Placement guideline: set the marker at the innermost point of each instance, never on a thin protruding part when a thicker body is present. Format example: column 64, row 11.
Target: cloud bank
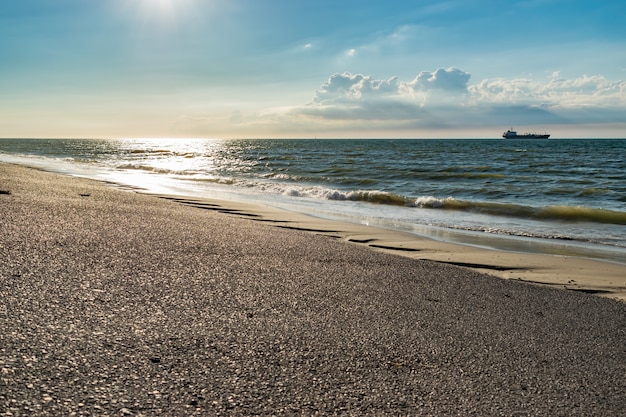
column 446, row 98
column 443, row 102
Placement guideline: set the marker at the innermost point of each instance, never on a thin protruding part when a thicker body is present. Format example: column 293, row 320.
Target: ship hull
column 511, row 134
column 527, row 137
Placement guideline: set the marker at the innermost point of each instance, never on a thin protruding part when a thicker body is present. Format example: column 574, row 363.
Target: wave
column 155, row 170
column 161, row 152
column 445, row 175
column 292, row 185
column 554, row 213
column 376, row 197
column 583, row 214
column 550, row 213
column 594, row 191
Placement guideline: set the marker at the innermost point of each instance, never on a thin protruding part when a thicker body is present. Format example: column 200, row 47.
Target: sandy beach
column 119, row 303
column 602, row 278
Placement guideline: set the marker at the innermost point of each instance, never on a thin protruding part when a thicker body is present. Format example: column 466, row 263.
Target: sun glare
column 160, row 6
column 158, row 11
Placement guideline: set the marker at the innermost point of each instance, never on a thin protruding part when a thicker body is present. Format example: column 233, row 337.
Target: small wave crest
column 161, row 152
column 551, row 213
column 554, row 213
column 156, row 169
column 594, row 191
column 548, row 213
column 375, row 197
column 584, row 214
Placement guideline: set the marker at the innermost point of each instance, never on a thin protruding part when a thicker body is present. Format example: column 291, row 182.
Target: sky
column 312, row 68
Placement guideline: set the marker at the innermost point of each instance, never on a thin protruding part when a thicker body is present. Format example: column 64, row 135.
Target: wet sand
column 607, row 279
column 118, row 303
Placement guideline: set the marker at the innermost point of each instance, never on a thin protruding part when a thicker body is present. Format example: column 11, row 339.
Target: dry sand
column 117, row 303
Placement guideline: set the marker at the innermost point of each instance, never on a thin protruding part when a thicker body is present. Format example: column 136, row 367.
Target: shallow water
column 556, row 196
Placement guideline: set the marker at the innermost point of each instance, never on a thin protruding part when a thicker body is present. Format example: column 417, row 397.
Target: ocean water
column 556, row 196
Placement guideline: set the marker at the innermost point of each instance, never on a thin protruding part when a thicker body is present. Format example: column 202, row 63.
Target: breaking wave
column 551, row 213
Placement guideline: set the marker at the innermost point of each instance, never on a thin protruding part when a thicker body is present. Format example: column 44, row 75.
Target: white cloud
column 444, row 97
column 595, row 91
column 451, row 79
column 348, row 87
column 357, row 97
column 402, row 40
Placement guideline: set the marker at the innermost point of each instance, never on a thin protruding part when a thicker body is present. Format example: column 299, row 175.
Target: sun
column 160, row 6
column 162, row 12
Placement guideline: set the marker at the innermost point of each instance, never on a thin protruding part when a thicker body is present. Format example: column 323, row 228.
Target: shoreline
column 120, row 303
column 590, row 276
column 572, row 273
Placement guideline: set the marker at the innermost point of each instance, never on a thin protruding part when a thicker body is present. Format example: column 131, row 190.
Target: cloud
column 362, row 97
column 357, row 100
column 443, row 99
column 451, row 79
column 346, row 87
column 403, row 40
column 585, row 91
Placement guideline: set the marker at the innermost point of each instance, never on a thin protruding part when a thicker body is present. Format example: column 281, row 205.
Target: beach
column 115, row 302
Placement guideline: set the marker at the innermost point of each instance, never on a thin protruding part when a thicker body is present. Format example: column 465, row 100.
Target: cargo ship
column 512, row 134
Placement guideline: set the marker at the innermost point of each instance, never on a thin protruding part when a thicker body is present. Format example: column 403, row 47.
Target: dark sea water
column 554, row 196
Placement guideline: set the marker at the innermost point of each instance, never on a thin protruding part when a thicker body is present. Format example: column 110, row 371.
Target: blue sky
column 324, row 68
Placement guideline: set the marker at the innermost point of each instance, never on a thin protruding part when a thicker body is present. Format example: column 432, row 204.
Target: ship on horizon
column 512, row 134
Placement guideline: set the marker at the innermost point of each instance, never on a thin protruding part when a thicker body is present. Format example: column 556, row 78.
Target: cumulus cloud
column 443, row 100
column 446, row 99
column 359, row 96
column 346, row 87
column 451, row 79
column 445, row 96
column 557, row 92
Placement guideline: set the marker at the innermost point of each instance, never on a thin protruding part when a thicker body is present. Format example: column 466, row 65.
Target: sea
column 557, row 196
